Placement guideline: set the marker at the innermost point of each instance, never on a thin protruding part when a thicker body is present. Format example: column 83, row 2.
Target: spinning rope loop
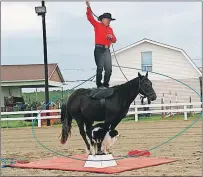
column 135, row 156
column 122, row 157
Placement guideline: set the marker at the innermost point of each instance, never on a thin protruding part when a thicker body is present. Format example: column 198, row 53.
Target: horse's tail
column 66, row 120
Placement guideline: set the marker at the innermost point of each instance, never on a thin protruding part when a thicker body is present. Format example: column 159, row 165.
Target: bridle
column 140, row 88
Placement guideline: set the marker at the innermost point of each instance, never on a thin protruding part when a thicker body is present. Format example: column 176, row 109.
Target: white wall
column 164, row 60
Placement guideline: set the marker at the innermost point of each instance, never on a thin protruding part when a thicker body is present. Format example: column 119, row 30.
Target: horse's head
column 145, row 87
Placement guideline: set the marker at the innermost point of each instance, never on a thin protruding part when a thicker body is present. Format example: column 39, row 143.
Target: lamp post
column 41, row 11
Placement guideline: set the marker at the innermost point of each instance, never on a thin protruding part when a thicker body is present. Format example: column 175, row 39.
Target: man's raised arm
column 89, row 15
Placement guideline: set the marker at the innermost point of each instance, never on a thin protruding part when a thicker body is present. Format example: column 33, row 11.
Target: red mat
column 62, row 163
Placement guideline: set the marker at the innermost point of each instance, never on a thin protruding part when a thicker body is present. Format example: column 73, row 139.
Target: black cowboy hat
column 105, row 15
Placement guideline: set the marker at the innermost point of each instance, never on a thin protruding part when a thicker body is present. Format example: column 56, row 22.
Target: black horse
column 109, row 105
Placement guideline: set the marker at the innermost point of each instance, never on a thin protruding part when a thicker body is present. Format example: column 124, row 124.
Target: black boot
column 106, row 85
column 98, row 80
column 99, row 86
column 107, row 79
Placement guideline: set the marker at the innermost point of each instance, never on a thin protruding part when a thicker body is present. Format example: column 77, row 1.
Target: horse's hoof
column 87, row 151
column 100, row 153
column 92, row 152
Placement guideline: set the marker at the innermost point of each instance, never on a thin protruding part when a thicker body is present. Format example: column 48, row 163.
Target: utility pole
column 42, row 11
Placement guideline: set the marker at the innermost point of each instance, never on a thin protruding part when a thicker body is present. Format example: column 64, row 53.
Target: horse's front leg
column 110, row 125
column 83, row 134
column 99, row 149
column 89, row 134
column 104, row 148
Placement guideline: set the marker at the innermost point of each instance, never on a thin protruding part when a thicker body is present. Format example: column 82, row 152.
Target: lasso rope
column 123, row 157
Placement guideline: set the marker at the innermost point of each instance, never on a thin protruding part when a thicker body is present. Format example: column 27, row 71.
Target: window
column 146, row 61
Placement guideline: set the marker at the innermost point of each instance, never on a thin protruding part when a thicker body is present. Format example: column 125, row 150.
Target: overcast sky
column 70, row 37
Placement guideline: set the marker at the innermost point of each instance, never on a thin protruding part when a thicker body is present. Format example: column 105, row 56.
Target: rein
column 140, row 82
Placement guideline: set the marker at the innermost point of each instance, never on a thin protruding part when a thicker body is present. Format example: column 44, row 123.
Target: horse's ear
column 139, row 74
column 146, row 74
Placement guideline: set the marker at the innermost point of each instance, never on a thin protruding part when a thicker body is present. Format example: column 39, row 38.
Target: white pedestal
column 99, row 163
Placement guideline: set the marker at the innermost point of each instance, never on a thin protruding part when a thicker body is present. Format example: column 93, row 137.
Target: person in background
column 144, row 101
column 104, row 37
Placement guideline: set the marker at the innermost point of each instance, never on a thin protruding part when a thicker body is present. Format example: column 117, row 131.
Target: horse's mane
column 125, row 85
column 120, row 87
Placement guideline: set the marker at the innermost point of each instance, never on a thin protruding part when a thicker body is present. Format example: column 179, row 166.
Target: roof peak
column 159, row 44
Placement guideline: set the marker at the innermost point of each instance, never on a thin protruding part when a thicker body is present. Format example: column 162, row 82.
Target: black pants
column 103, row 61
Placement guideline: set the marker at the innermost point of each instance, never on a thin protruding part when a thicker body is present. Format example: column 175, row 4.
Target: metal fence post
column 185, row 112
column 39, row 120
column 136, row 114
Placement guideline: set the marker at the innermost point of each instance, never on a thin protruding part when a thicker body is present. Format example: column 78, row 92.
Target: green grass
column 16, row 124
column 12, row 116
column 154, row 118
column 53, row 96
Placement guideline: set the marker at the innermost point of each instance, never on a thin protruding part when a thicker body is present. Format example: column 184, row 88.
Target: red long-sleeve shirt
column 101, row 31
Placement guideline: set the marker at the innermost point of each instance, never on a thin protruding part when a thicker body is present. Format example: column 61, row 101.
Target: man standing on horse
column 104, row 37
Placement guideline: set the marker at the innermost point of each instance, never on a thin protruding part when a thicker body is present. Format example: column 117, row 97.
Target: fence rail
column 134, row 112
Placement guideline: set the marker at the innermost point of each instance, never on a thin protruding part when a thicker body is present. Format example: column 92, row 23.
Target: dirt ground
column 186, row 149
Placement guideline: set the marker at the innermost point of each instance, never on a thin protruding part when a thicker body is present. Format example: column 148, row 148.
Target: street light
column 41, row 11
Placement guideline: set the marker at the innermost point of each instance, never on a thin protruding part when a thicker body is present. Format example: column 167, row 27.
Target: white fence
column 135, row 112
column 39, row 117
column 185, row 109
